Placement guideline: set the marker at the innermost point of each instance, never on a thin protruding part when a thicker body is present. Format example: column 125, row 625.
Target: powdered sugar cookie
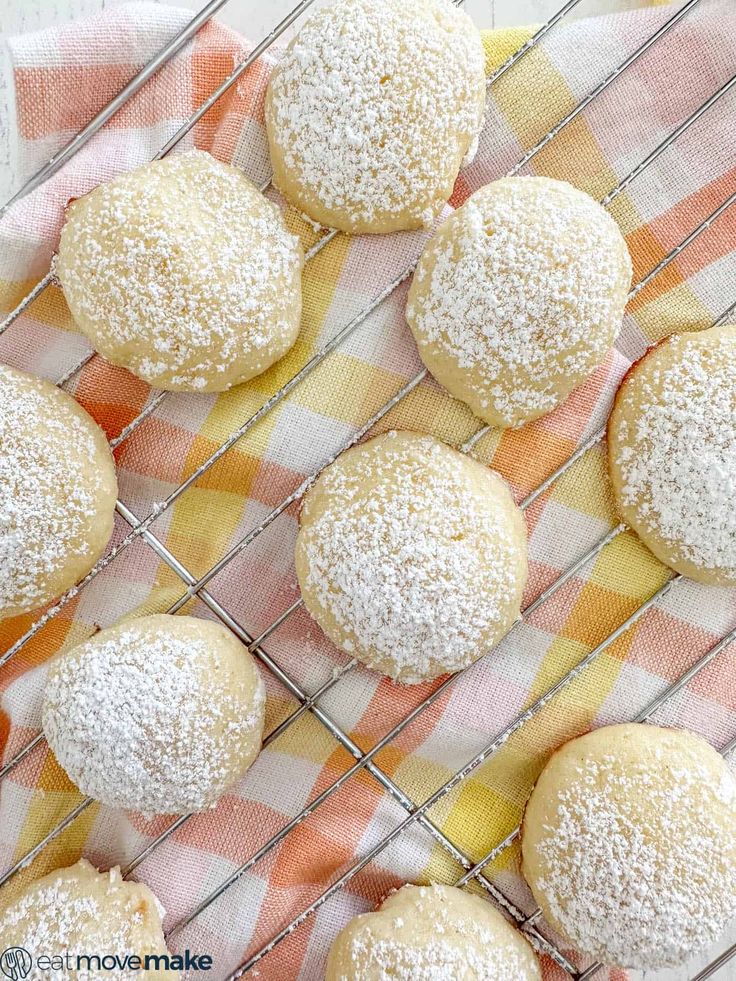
column 629, row 844
column 519, row 296
column 672, row 453
column 183, row 272
column 430, row 932
column 80, row 911
column 372, row 110
column 161, row 714
column 411, row 556
column 57, row 492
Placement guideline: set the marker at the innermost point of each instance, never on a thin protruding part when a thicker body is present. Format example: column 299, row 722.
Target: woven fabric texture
column 62, row 78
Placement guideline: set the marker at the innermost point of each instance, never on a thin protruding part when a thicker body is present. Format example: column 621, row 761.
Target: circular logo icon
column 16, row 963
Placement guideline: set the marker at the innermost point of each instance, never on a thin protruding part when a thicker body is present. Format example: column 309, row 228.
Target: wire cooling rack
column 416, row 812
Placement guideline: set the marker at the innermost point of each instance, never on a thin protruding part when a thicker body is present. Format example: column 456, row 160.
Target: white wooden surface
column 255, row 18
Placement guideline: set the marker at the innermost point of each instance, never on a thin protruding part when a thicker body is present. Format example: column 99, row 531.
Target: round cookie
column 182, row 272
column 429, row 932
column 78, row 910
column 519, row 296
column 629, row 844
column 57, row 492
column 672, row 453
column 373, row 110
column 411, row 556
column 162, row 714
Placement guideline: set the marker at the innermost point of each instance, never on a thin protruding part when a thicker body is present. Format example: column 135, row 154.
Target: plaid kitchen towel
column 61, row 78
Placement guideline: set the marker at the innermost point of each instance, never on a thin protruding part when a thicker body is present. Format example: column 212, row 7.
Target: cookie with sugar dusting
column 373, row 110
column 672, row 453
column 428, row 933
column 182, row 272
column 162, row 714
column 78, row 910
column 57, row 492
column 411, row 556
column 519, row 296
column 629, row 844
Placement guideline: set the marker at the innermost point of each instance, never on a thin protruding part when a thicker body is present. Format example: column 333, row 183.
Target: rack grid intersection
column 416, row 813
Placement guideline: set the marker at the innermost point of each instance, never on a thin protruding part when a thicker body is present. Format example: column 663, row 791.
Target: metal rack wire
column 416, row 813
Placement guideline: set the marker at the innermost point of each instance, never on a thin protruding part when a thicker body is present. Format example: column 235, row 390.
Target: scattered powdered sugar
column 439, row 939
column 468, row 954
column 184, row 272
column 139, row 718
column 676, row 448
column 66, row 910
column 50, row 488
column 523, row 289
column 375, row 103
column 411, row 558
column 639, row 866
